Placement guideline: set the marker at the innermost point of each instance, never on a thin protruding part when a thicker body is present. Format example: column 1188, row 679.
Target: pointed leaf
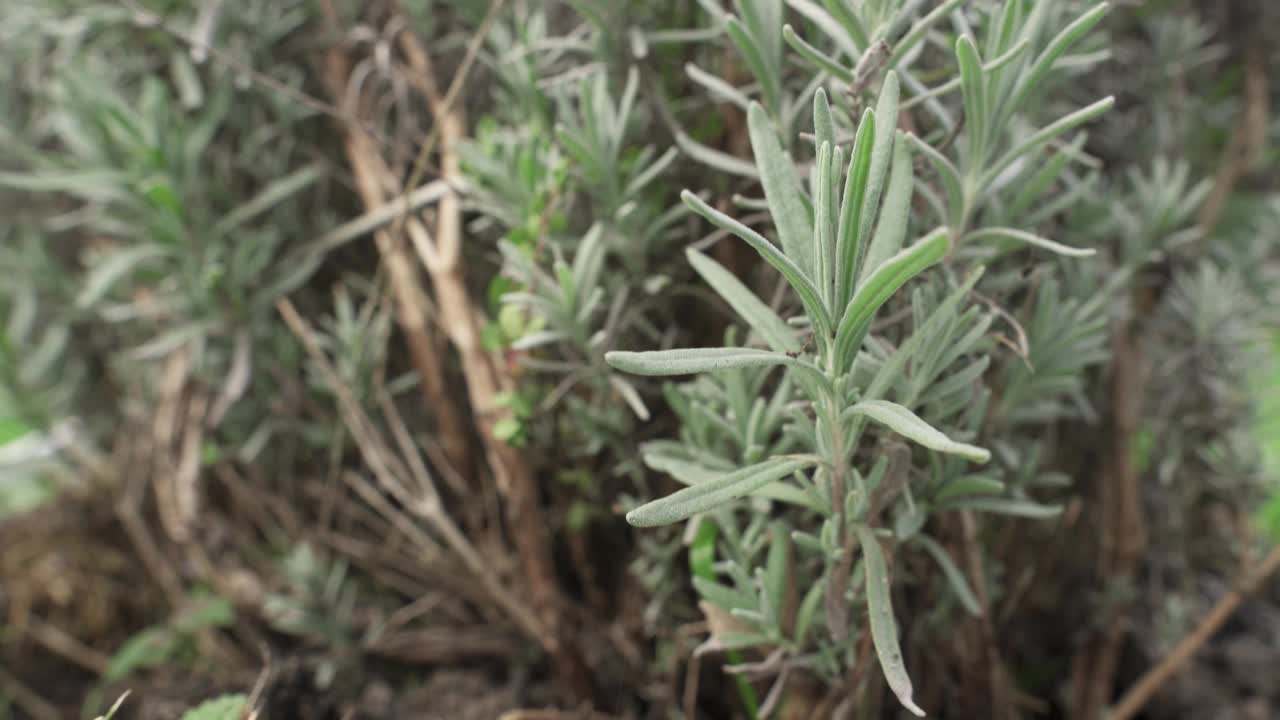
column 782, row 189
column 884, row 628
column 881, row 154
column 959, row 584
column 909, row 425
column 714, row 493
column 799, row 281
column 891, row 230
column 1005, row 506
column 1030, row 239
column 878, row 288
column 848, row 254
column 759, row 316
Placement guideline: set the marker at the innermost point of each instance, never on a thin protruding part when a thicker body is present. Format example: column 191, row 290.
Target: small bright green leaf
column 709, row 495
column 884, row 628
column 691, row 473
column 1044, row 135
column 909, row 425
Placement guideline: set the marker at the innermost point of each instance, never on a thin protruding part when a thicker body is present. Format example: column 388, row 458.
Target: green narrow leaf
column 878, row 288
column 973, row 90
column 969, row 485
column 112, row 269
column 884, row 628
column 709, row 495
column 855, row 189
column 824, row 218
column 949, row 176
column 756, row 60
column 909, row 425
column 722, row 161
column 1005, row 506
column 691, row 473
column 881, row 154
column 824, row 126
column 274, row 194
column 821, row 60
column 1044, row 135
column 1034, row 78
column 688, row 361
column 959, row 584
column 1030, row 239
column 717, row 86
column 798, row 280
column 749, row 307
column 891, row 230
column 782, row 189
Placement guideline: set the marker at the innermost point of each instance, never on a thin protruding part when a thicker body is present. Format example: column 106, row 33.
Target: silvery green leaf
column 884, row 628
column 808, row 608
column 1034, row 78
column 824, row 127
column 1046, row 134
column 717, row 86
column 824, row 218
column 776, row 568
column 1030, row 239
column 823, row 61
column 692, row 473
column 891, row 230
column 717, row 159
column 711, row 494
column 107, row 271
column 948, row 174
column 1004, row 506
column 688, row 361
column 881, row 153
column 909, row 425
column 538, row 339
column 973, row 89
column 588, row 262
column 796, row 277
column 782, row 189
column 919, row 29
column 630, row 395
column 757, row 61
column 848, row 253
column 959, row 584
column 650, row 173
column 750, row 308
column 879, row 287
column 273, row 194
